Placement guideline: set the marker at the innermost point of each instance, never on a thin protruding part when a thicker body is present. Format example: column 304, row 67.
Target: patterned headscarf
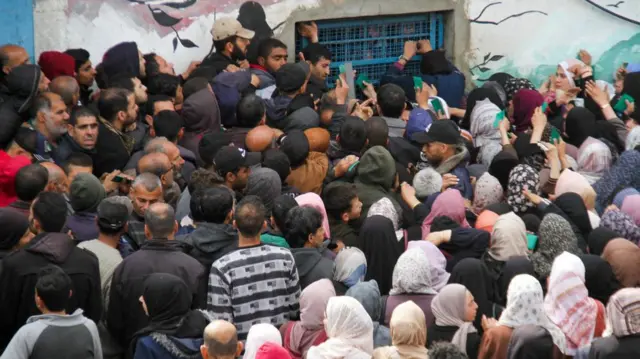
column 437, row 262
column 521, row 177
column 412, row 274
column 594, row 159
column 512, row 86
column 525, row 306
column 482, row 119
column 554, row 237
column 623, row 174
column 622, row 224
column 488, row 191
column 623, row 312
column 385, row 208
column 633, row 138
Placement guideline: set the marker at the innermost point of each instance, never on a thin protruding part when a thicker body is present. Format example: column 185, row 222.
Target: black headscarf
column 572, row 205
column 529, row 153
column 512, row 267
column 476, row 95
column 475, row 276
column 530, row 342
column 499, row 208
column 501, row 78
column 168, row 301
column 631, row 87
column 14, row 225
column 600, row 280
column 382, row 249
column 531, row 222
column 598, row 239
column 582, row 123
column 502, row 165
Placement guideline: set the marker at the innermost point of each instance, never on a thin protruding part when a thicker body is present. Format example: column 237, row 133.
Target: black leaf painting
column 175, row 44
column 496, row 57
column 166, row 20
column 486, row 60
column 162, row 18
column 187, row 43
column 483, row 69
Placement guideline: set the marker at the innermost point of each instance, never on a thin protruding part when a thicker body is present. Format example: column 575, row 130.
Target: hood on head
column 122, row 58
column 53, row 246
column 211, row 237
column 180, row 348
column 22, row 83
column 200, row 112
column 377, row 167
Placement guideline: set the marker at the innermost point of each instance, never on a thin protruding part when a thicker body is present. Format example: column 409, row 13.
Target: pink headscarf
column 570, row 181
column 439, row 275
column 631, row 206
column 313, row 200
column 449, row 203
column 525, row 103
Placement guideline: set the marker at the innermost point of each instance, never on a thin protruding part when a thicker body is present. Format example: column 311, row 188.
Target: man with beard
column 234, row 165
column 231, row 42
column 81, row 136
column 118, row 110
column 272, row 54
column 50, row 122
column 138, row 130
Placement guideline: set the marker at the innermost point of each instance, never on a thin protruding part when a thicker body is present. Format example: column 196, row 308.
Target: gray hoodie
column 47, row 336
column 312, row 265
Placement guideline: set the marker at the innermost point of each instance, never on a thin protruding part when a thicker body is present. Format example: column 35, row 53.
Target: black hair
column 151, row 65
column 30, row 181
column 122, row 80
column 266, row 46
column 50, row 209
column 163, row 84
column 195, row 84
column 250, row 110
column 278, row 161
column 81, row 111
column 112, row 101
column 281, row 207
column 207, row 72
column 249, row 216
column 301, row 222
column 101, row 77
column 151, row 102
column 219, row 45
column 316, row 52
column 81, row 56
column 53, row 287
column 167, row 124
column 391, row 99
column 337, row 199
column 202, row 179
column 353, row 134
column 77, row 159
column 446, row 350
column 211, row 205
column 377, row 131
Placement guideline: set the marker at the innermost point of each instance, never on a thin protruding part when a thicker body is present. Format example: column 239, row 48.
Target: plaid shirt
column 136, row 230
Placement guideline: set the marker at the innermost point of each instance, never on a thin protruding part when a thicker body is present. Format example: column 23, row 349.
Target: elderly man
column 160, row 165
column 51, row 119
column 145, row 191
column 221, row 341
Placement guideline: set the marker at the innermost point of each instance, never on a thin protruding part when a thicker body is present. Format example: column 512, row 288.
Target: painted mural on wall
column 528, row 39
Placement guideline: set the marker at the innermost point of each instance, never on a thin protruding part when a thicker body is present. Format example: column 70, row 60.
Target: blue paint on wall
column 16, row 23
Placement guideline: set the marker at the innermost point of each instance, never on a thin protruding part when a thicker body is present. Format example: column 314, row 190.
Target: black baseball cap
column 211, row 143
column 444, row 131
column 291, row 77
column 230, row 159
column 112, row 213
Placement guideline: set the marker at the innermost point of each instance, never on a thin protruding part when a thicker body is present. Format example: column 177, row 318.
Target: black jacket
column 125, row 315
column 210, row 241
column 218, row 61
column 312, row 265
column 66, row 146
column 316, row 87
column 615, row 348
column 113, row 149
column 16, row 99
column 20, row 273
column 436, row 333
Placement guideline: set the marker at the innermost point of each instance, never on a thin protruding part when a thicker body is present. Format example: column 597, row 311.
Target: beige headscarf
column 408, row 334
column 449, row 308
column 509, row 238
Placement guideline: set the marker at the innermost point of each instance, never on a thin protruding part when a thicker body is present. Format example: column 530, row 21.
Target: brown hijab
column 624, row 258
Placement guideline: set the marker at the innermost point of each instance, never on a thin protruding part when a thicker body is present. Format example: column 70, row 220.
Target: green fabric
column 269, row 238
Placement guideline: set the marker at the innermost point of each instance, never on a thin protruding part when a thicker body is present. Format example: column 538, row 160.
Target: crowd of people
column 248, row 208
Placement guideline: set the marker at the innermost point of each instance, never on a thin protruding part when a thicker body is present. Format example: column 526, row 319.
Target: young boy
column 343, row 206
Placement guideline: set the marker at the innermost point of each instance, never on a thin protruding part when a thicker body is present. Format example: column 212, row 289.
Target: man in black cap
column 24, row 143
column 444, row 148
column 291, row 81
column 234, row 165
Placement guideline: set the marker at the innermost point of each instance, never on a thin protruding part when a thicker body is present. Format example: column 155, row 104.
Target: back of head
column 301, row 222
column 250, row 216
column 319, row 139
column 264, row 183
column 337, row 199
column 210, row 144
column 281, row 207
column 163, row 84
column 160, row 220
column 122, row 81
column 202, row 179
column 250, row 111
column 86, row 192
column 168, row 124
column 112, row 101
column 391, row 100
column 221, row 341
column 446, row 350
column 315, row 52
column 113, row 214
column 67, row 87
column 50, row 210
column 150, row 106
column 53, row 288
column 278, row 161
column 212, row 205
column 296, row 146
column 156, row 163
column 530, row 342
column 195, row 84
column 259, row 139
column 427, row 182
column 353, row 134
column 377, row 166
column 30, row 181
column 377, row 131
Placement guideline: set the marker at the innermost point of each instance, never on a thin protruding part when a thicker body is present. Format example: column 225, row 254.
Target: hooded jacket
column 113, row 149
column 201, row 115
column 317, row 87
column 20, row 273
column 122, row 58
column 312, row 265
column 310, row 175
column 162, row 346
column 210, row 241
column 277, row 110
column 376, row 173
column 456, row 165
column 16, row 100
column 9, row 167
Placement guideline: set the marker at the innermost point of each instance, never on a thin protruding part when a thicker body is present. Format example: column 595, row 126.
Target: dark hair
column 30, row 181
column 53, row 287
column 50, row 209
column 353, row 134
column 377, row 131
column 250, row 110
column 112, row 101
column 81, row 111
column 195, row 84
column 266, row 46
column 278, row 161
column 203, row 178
column 151, row 65
column 446, row 350
column 391, row 99
column 301, row 222
column 123, row 80
column 211, row 205
column 167, row 124
column 316, row 52
column 207, row 72
column 77, row 159
column 101, row 77
column 163, row 84
column 219, row 45
column 81, row 56
column 281, row 207
column 249, row 216
column 151, row 102
column 337, row 199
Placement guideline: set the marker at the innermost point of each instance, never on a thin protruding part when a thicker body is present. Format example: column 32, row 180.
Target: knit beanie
column 122, row 58
column 86, row 193
column 264, row 183
column 55, row 64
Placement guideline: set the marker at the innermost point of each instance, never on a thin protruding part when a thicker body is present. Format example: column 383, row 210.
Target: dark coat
column 161, row 346
column 218, row 61
column 436, row 333
column 312, row 265
column 209, row 242
column 66, row 146
column 113, row 149
column 125, row 315
column 20, row 273
column 615, row 348
column 16, row 99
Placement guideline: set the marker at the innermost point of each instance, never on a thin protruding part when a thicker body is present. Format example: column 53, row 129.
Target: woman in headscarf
column 599, row 238
column 172, row 326
column 437, row 263
column 475, row 96
column 525, row 306
column 488, row 191
column 349, row 329
column 554, row 237
column 570, row 181
column 455, row 309
column 259, row 334
column 569, row 306
column 382, row 249
column 272, row 351
column 624, row 258
column 502, row 165
column 513, row 85
column 571, row 207
column 631, row 207
column 385, row 208
column 501, row 78
column 14, row 227
column 411, row 282
column 309, row 331
column 508, row 240
column 524, row 105
column 622, row 314
column 622, row 174
column 513, row 267
column 522, row 177
column 408, row 334
column 621, row 223
column 600, row 280
column 350, row 269
column 633, row 139
column 482, row 118
column 368, row 294
column 311, row 199
column 475, row 276
column 449, row 203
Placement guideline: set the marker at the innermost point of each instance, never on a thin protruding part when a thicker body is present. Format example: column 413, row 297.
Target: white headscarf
column 258, row 335
column 350, row 331
column 412, row 274
column 351, row 266
column 525, row 305
column 482, row 118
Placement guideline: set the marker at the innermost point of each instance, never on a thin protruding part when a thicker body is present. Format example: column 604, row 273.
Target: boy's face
column 355, row 210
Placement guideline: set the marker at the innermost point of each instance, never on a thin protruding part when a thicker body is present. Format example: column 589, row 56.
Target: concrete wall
column 524, row 37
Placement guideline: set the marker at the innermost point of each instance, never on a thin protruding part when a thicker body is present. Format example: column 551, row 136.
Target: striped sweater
column 252, row 285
